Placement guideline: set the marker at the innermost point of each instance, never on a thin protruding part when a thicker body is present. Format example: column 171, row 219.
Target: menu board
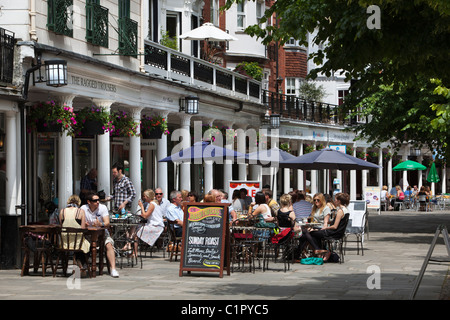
column 205, row 244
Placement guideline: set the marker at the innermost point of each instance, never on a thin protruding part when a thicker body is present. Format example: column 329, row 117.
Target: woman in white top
column 320, row 211
column 151, row 231
column 237, row 202
column 263, row 208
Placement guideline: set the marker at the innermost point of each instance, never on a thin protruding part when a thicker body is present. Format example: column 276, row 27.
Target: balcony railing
column 59, row 17
column 97, row 24
column 128, row 35
column 297, row 108
column 170, row 64
column 6, row 56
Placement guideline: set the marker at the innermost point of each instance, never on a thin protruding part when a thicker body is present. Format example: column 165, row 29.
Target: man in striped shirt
column 124, row 192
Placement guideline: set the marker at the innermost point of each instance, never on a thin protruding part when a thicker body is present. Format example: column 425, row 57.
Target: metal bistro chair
column 358, row 231
column 173, row 246
column 423, row 204
column 336, row 242
column 70, row 242
column 243, row 248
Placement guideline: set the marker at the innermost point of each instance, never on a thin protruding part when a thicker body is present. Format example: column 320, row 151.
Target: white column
column 135, row 158
column 185, row 168
column 287, row 179
column 444, row 178
column 389, row 174
column 161, row 153
column 420, row 173
column 364, row 175
column 241, row 145
column 65, row 162
column 228, row 164
column 353, row 179
column 405, row 173
column 104, row 153
column 12, row 163
column 208, row 167
column 380, row 170
column 314, row 180
column 300, row 174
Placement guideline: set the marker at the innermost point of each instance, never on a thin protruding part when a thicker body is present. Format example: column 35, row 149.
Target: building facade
column 118, row 57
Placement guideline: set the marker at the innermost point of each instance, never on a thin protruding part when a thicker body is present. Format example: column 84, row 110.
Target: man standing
column 97, row 216
column 124, row 192
column 175, row 212
column 88, row 184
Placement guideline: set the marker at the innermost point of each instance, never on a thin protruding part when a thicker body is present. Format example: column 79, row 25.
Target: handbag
column 312, row 260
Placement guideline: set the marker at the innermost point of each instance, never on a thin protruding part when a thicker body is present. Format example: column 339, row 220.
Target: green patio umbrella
column 409, row 165
column 433, row 175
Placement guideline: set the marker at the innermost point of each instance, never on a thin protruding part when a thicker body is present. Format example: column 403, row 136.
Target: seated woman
column 321, row 213
column 262, row 209
column 151, row 231
column 74, row 217
column 400, row 197
column 336, row 228
column 286, row 216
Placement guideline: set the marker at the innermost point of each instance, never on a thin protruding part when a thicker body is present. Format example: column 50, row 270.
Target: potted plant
column 285, row 147
column 153, row 127
column 92, row 121
column 49, row 116
column 122, row 125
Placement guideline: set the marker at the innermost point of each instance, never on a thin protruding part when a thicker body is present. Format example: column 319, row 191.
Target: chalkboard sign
column 205, row 244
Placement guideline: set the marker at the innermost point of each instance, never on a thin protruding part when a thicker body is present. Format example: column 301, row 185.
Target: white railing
column 164, row 62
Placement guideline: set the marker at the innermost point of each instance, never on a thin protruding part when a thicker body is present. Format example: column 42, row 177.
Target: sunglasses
column 94, row 200
column 316, row 200
column 158, row 194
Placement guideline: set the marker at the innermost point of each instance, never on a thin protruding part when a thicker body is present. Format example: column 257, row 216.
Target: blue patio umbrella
column 203, row 151
column 270, row 157
column 327, row 159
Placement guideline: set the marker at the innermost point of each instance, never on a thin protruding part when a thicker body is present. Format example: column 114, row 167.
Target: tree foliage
column 393, row 64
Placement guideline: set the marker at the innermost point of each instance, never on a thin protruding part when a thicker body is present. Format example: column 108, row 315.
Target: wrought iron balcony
column 59, row 17
column 170, row 64
column 297, row 108
column 128, row 37
column 7, row 43
column 97, row 24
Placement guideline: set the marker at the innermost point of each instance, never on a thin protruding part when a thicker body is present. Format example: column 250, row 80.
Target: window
column 292, row 42
column 60, row 16
column 341, row 96
column 290, row 86
column 96, row 23
column 214, row 12
column 241, row 15
column 259, row 11
column 128, row 30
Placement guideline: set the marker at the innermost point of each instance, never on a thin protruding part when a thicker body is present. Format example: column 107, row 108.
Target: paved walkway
column 396, row 246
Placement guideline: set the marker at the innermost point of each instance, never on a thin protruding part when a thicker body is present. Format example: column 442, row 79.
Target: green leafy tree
column 393, row 63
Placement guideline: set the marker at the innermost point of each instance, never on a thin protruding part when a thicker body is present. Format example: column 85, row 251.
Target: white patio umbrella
column 208, row 32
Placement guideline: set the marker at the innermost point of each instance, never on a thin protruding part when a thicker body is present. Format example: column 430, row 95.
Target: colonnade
column 250, row 172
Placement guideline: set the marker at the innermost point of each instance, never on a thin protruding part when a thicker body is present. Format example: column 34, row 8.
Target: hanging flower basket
column 153, row 127
column 51, row 117
column 122, row 125
column 92, row 121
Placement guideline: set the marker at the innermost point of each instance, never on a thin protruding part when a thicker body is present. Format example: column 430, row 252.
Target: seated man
column 97, row 216
column 175, row 212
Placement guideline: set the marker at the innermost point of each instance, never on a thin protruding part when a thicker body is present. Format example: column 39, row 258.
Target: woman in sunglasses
column 320, row 211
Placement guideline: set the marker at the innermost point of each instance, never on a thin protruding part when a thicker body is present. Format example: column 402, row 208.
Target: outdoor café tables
column 44, row 239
